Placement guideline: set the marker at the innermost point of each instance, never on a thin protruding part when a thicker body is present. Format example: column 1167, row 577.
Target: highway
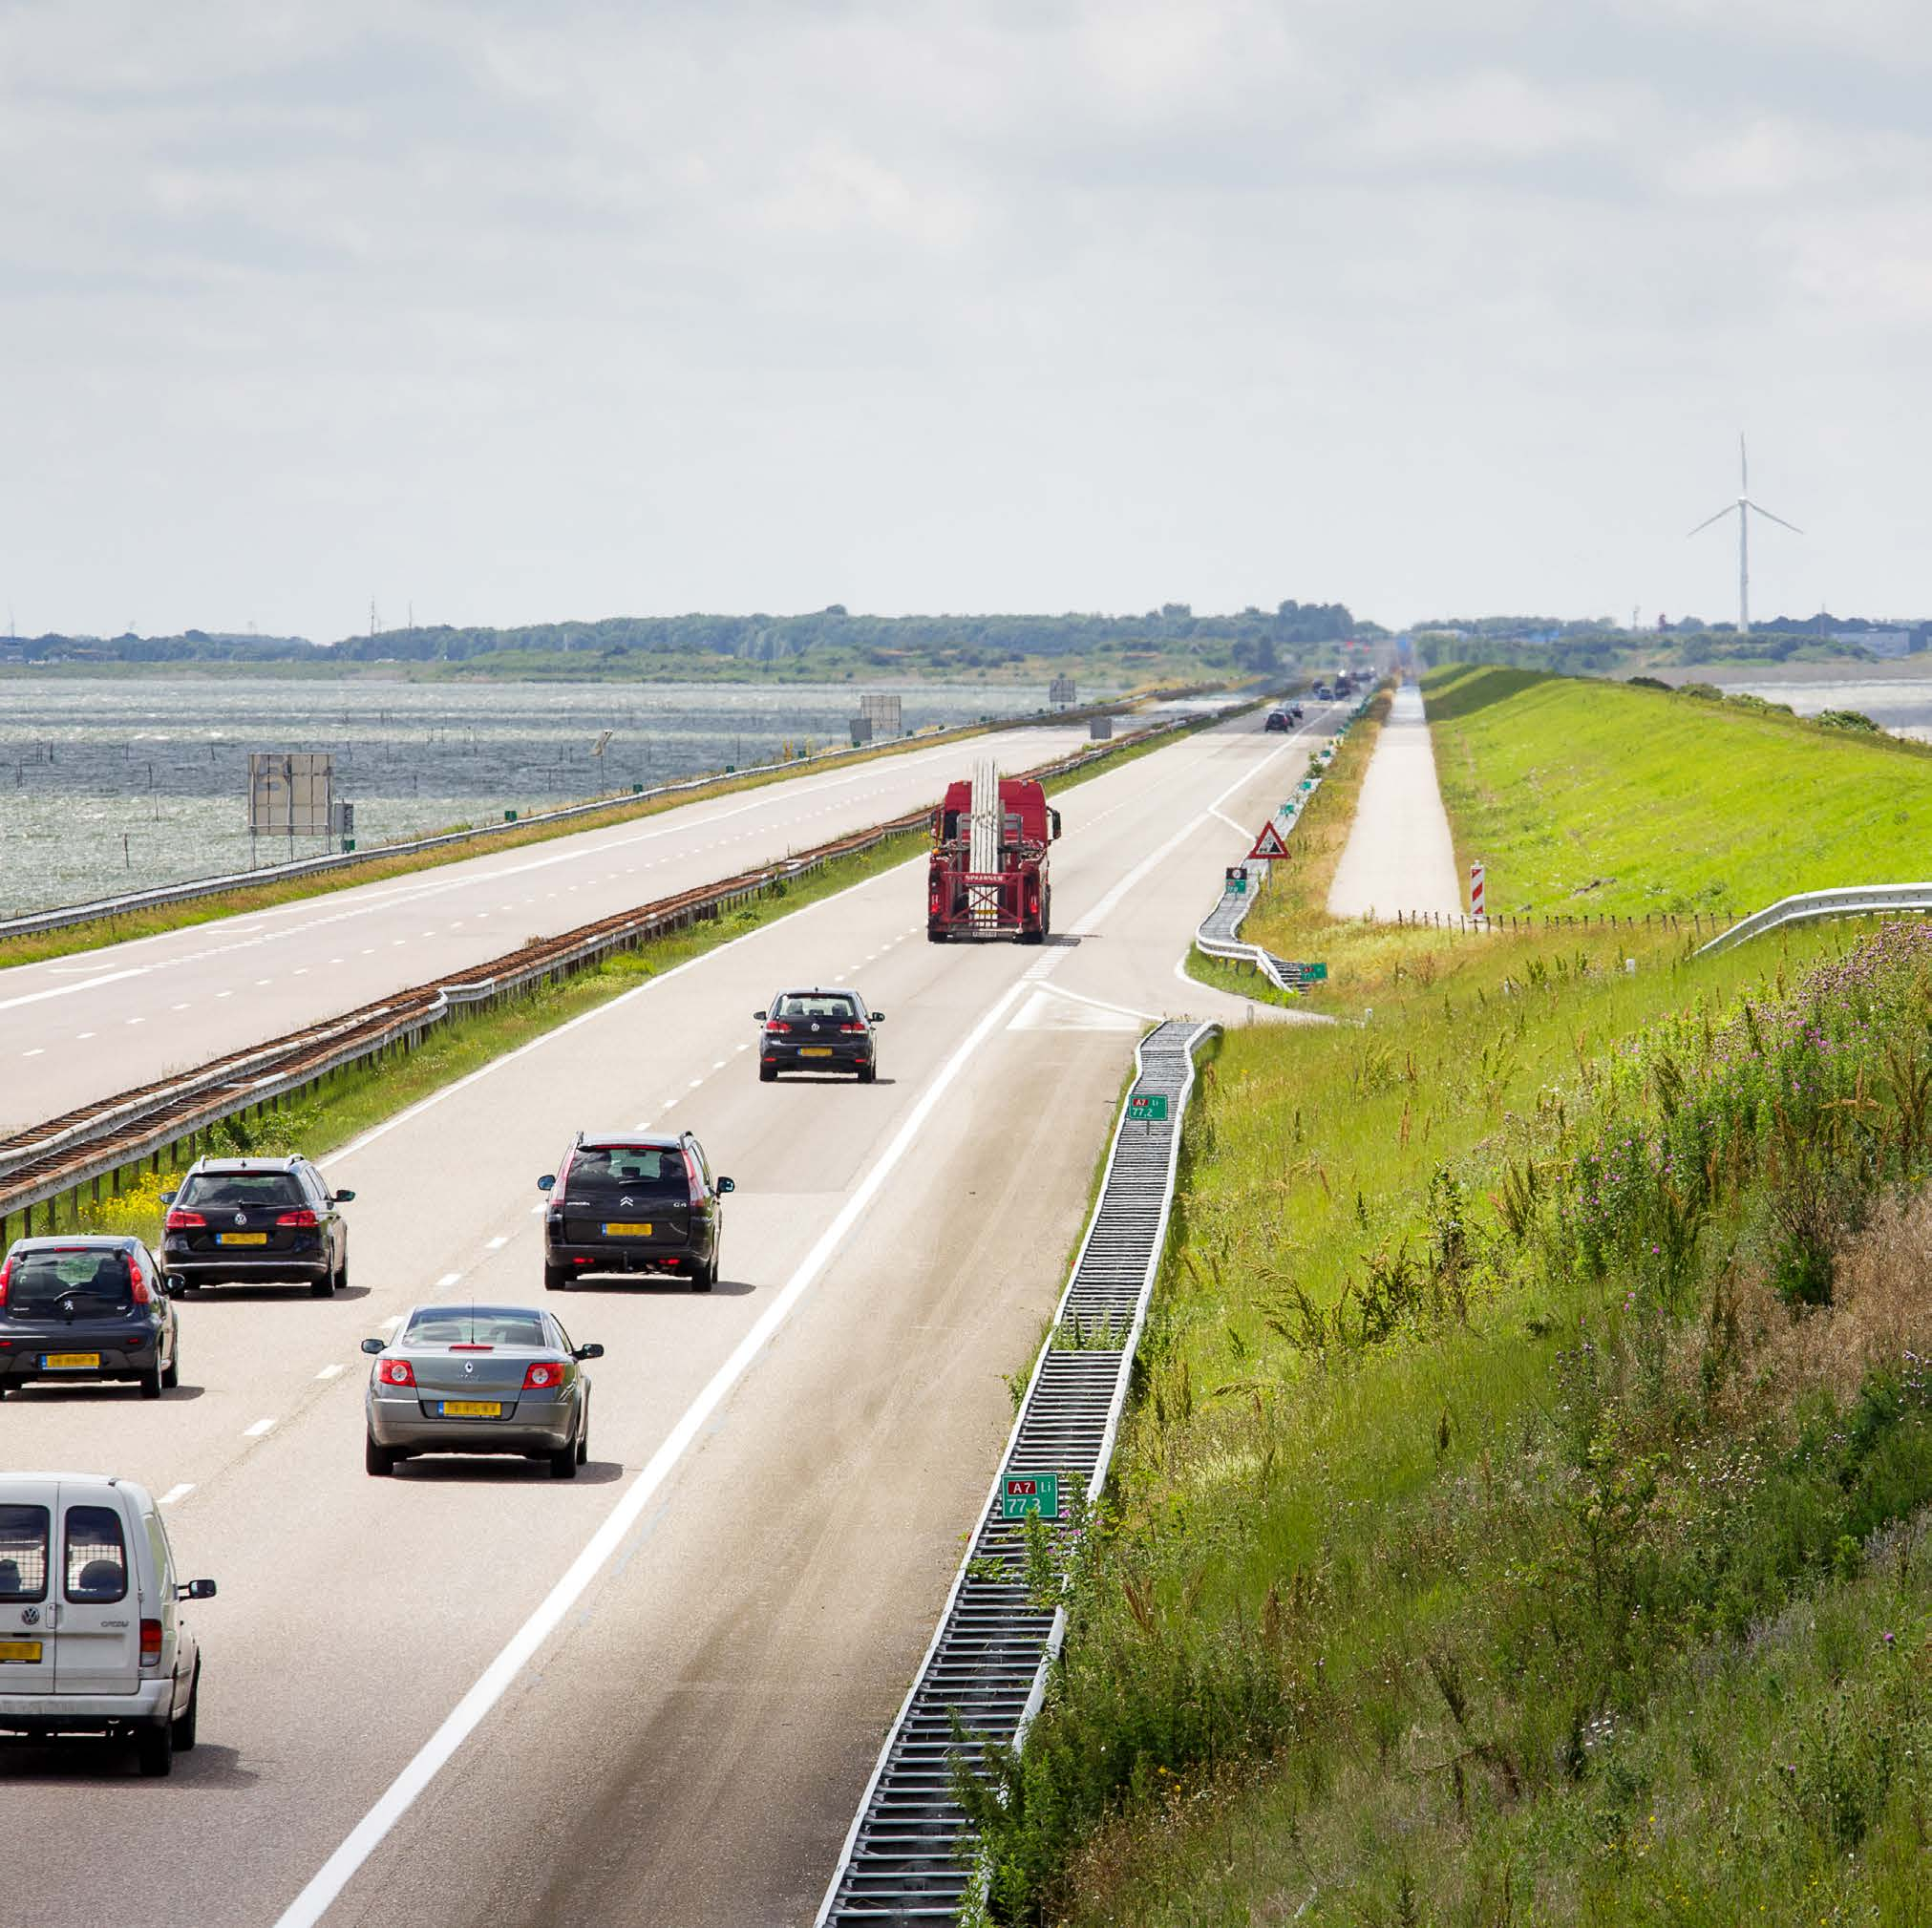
column 84, row 1027
column 472, row 1693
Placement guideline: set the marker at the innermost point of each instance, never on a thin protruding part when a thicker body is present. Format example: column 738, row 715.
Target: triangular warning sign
column 1269, row 843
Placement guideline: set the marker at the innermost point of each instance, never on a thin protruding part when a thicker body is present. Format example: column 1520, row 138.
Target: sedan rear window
column 604, row 1170
column 833, row 1005
column 23, row 1552
column 234, row 1191
column 462, row 1325
column 90, row 1278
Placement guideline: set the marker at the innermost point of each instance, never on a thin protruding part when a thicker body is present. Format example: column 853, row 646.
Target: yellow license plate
column 240, row 1237
column 19, row 1650
column 627, row 1231
column 473, row 1409
column 70, row 1362
column 814, row 1050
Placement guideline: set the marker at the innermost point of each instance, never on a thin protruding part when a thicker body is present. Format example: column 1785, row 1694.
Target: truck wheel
column 154, row 1748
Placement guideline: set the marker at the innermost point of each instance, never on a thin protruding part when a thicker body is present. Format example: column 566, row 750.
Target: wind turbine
column 1744, row 508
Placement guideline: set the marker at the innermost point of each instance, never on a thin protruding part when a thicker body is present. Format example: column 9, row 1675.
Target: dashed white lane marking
column 330, row 1373
column 175, row 1492
column 370, row 951
column 448, row 1278
column 744, row 1048
column 303, row 973
column 136, row 1021
column 260, row 982
column 177, row 1008
column 498, row 1243
column 335, row 960
column 667, row 1103
column 260, row 1427
column 393, row 1321
column 81, row 1037
column 537, row 1206
column 641, row 1125
column 38, row 1050
column 718, row 1063
column 694, row 1083
column 224, row 994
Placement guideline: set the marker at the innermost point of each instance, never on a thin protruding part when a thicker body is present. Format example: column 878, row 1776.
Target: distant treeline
column 878, row 640
column 1538, row 642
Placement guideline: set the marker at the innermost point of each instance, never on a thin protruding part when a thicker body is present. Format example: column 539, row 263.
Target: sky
column 512, row 311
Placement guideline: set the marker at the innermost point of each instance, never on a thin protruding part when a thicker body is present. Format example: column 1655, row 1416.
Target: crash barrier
column 1808, row 906
column 908, row 1856
column 186, row 892
column 97, row 1144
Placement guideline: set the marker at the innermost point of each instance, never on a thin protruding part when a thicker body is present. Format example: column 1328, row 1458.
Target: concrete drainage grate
column 907, row 1856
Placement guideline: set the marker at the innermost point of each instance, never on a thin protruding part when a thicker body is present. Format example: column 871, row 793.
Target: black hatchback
column 250, row 1221
column 633, row 1204
column 85, row 1307
column 818, row 1031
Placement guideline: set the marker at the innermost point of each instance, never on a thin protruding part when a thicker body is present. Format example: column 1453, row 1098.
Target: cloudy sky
column 525, row 308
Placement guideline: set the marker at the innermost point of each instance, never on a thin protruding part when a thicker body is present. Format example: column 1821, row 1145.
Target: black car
column 85, row 1307
column 245, row 1220
column 818, row 1031
column 634, row 1203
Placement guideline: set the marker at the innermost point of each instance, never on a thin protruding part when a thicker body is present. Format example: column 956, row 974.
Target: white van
column 90, row 1638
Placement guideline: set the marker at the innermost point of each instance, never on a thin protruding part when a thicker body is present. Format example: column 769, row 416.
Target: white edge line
column 335, row 1874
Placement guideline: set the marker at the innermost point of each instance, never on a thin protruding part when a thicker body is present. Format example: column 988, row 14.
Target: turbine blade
column 1779, row 520
column 1730, row 508
column 1743, row 466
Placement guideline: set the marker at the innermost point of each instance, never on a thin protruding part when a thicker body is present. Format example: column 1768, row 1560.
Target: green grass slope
column 1588, row 796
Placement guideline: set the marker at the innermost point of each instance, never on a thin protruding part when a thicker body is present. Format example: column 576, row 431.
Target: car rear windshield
column 833, row 1005
column 23, row 1552
column 236, row 1191
column 474, row 1326
column 639, row 1170
column 88, row 1278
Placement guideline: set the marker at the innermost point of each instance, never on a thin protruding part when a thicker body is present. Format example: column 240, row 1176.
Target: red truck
column 988, row 873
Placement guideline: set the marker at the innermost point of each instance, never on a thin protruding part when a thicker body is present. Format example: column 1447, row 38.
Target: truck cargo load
column 988, row 873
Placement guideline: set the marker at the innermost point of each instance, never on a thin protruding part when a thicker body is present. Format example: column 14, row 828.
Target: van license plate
column 473, row 1409
column 19, row 1650
column 814, row 1050
column 70, row 1362
column 240, row 1237
column 620, row 1231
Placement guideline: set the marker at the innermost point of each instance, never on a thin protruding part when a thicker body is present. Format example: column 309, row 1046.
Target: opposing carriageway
column 651, row 1695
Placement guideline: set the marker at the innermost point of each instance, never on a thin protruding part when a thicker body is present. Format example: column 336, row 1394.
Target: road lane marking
column 175, row 1492
column 68, row 991
column 81, row 1037
column 260, row 1427
column 38, row 1050
column 498, row 1243
column 136, row 1021
column 449, row 1278
column 330, row 1373
column 718, row 1063
column 523, row 1646
column 394, row 1319
column 694, row 1083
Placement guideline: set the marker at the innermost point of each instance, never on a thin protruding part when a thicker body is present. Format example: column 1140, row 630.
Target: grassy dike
column 1522, row 1514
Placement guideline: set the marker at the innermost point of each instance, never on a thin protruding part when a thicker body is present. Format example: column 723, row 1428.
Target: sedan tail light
column 303, row 1218
column 182, row 1221
column 858, row 1029
column 469, row 1345
column 395, row 1373
column 6, row 1272
column 542, row 1378
column 151, row 1643
column 775, row 1025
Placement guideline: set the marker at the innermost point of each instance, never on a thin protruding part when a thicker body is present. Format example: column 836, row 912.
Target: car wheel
column 556, row 1278
column 767, row 1074
column 583, row 1436
column 185, row 1721
column 705, row 1276
column 342, row 1274
column 322, row 1287
column 867, row 1073
column 563, row 1462
column 378, row 1461
column 154, row 1748
column 171, row 1373
column 150, row 1382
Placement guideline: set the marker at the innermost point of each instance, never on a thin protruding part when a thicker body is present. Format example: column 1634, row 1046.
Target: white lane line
column 81, row 1037
column 68, row 991
column 260, row 982
column 396, row 1801
column 718, row 1063
column 393, row 1320
column 498, row 1243
column 744, row 1048
column 175, row 1492
column 260, row 1427
column 224, row 994
column 537, row 1206
column 136, row 1021
column 449, row 1278
column 370, row 951
column 694, row 1083
column 177, row 1008
column 641, row 1125
column 330, row 1373
column 335, row 960
column 38, row 1051
column 302, row 971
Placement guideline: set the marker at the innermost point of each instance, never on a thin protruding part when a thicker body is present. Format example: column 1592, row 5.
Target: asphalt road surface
column 104, row 1021
column 471, row 1693
column 1399, row 855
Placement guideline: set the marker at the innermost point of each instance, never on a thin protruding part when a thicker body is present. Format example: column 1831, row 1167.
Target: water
column 1900, row 704
column 109, row 785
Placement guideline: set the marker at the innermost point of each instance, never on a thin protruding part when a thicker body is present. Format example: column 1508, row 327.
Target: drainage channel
column 907, row 1858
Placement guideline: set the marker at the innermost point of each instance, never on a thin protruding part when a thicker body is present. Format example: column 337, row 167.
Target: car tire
column 556, row 1278
column 584, row 1436
column 563, row 1462
column 154, row 1749
column 185, row 1721
column 705, row 1276
column 767, row 1074
column 322, row 1287
column 378, row 1461
column 152, row 1382
column 342, row 1274
column 867, row 1073
column 171, row 1373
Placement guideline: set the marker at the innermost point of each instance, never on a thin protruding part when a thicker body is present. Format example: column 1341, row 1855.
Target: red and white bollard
column 1475, row 888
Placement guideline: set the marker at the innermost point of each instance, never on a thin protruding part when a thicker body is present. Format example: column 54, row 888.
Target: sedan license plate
column 19, row 1650
column 240, row 1237
column 68, row 1362
column 473, row 1409
column 625, row 1230
column 814, row 1050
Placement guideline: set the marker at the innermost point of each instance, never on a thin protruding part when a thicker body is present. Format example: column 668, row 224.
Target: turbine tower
column 1744, row 508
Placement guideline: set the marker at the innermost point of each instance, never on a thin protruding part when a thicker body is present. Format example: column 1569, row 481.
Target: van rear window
column 234, row 1191
column 96, row 1556
column 23, row 1552
column 599, row 1171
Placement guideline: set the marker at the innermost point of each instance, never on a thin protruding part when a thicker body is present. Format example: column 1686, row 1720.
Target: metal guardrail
column 1807, row 906
column 907, row 1856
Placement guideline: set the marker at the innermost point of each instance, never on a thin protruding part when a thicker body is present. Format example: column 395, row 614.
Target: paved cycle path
column 1399, row 855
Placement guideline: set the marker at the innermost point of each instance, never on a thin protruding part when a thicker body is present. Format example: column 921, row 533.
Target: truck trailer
column 988, row 873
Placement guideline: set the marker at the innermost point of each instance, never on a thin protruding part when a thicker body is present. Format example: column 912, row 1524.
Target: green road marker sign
column 1025, row 1493
column 1147, row 1108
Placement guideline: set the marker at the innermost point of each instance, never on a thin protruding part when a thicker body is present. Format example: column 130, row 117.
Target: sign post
column 1475, row 890
column 1025, row 1493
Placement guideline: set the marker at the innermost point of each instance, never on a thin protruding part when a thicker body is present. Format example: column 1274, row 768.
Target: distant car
column 818, row 1031
column 479, row 1379
column 246, row 1220
column 1277, row 720
column 86, row 1307
column 634, row 1203
column 92, row 1637
column 1322, row 694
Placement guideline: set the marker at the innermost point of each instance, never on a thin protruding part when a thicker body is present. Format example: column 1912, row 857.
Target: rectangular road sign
column 1025, row 1493
column 1149, row 1108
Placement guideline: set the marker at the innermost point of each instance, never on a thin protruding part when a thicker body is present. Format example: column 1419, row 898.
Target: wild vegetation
column 1522, row 1514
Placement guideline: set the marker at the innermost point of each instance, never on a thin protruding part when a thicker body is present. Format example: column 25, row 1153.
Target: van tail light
column 542, row 1378
column 6, row 1273
column 137, row 1280
column 305, row 1218
column 182, row 1221
column 395, row 1373
column 151, row 1643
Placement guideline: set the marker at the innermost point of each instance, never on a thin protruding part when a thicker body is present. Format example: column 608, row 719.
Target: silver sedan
column 479, row 1379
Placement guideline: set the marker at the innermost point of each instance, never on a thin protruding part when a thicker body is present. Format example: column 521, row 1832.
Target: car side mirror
column 728, row 1184
column 371, row 1344
column 342, row 1197
column 199, row 1589
column 1053, row 824
column 169, row 1197
column 546, row 1181
column 757, row 1017
column 588, row 1352
column 877, row 1018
